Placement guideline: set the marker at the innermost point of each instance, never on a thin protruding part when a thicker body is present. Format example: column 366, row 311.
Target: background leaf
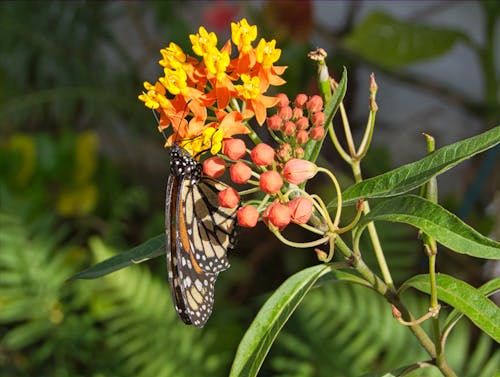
column 389, row 42
column 462, row 296
column 152, row 248
column 434, row 220
column 411, row 176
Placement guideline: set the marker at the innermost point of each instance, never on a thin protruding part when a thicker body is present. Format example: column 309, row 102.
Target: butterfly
column 199, row 234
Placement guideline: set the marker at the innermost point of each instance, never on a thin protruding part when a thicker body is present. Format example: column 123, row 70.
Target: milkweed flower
column 297, row 171
column 199, row 93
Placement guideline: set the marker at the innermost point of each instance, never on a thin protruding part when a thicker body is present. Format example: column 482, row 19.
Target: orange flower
column 251, row 93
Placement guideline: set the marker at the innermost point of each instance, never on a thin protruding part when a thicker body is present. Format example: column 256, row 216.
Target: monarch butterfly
column 199, row 233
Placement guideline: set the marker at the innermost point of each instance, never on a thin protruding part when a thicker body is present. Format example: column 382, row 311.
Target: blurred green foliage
column 79, row 179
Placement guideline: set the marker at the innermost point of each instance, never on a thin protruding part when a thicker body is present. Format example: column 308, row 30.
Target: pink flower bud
column 289, row 128
column 262, row 155
column 240, row 172
column 214, row 167
column 314, row 104
column 274, row 122
column 298, row 152
column 229, row 198
column 317, row 133
column 302, row 137
column 279, row 215
column 247, row 216
column 300, row 100
column 297, row 112
column 284, row 101
column 270, row 182
column 301, row 209
column 285, row 113
column 284, row 152
column 297, row 171
column 234, row 148
column 302, row 123
column 318, row 118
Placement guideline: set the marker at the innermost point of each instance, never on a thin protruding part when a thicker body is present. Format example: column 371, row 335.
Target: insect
column 199, row 234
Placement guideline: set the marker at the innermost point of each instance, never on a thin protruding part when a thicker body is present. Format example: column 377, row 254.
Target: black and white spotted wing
column 199, row 233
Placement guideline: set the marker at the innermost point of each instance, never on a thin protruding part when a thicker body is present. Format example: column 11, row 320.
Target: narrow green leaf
column 408, row 177
column 486, row 289
column 313, row 147
column 152, row 248
column 463, row 297
column 434, row 220
column 271, row 318
column 390, row 42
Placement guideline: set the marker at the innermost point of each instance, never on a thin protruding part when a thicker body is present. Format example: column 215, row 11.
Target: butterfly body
column 199, row 234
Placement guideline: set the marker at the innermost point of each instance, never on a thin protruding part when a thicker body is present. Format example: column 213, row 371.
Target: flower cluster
column 209, row 98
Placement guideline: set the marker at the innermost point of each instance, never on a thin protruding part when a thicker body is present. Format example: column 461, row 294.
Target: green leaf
column 410, row 176
column 463, row 297
column 389, row 42
column 271, row 318
column 313, row 147
column 434, row 220
column 152, row 248
column 486, row 289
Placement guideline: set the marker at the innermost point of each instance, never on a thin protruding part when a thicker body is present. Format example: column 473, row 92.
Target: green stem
column 372, row 231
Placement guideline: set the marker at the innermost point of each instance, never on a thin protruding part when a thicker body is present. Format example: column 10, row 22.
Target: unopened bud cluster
column 297, row 123
column 293, row 125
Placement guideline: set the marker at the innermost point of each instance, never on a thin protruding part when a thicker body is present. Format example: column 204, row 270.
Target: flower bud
column 300, row 100
column 317, row 133
column 297, row 171
column 262, row 155
column 302, row 123
column 298, row 152
column 234, row 148
column 279, row 215
column 214, row 167
column 297, row 112
column 274, row 122
column 240, row 172
column 314, row 104
column 270, row 182
column 301, row 209
column 247, row 216
column 284, row 101
column 289, row 128
column 318, row 118
column 285, row 113
column 229, row 198
column 302, row 137
column 284, row 152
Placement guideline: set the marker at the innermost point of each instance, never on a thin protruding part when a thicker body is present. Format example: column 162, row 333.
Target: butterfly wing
column 212, row 227
column 199, row 233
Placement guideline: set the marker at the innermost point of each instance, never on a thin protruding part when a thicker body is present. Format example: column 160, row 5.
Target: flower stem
column 377, row 247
